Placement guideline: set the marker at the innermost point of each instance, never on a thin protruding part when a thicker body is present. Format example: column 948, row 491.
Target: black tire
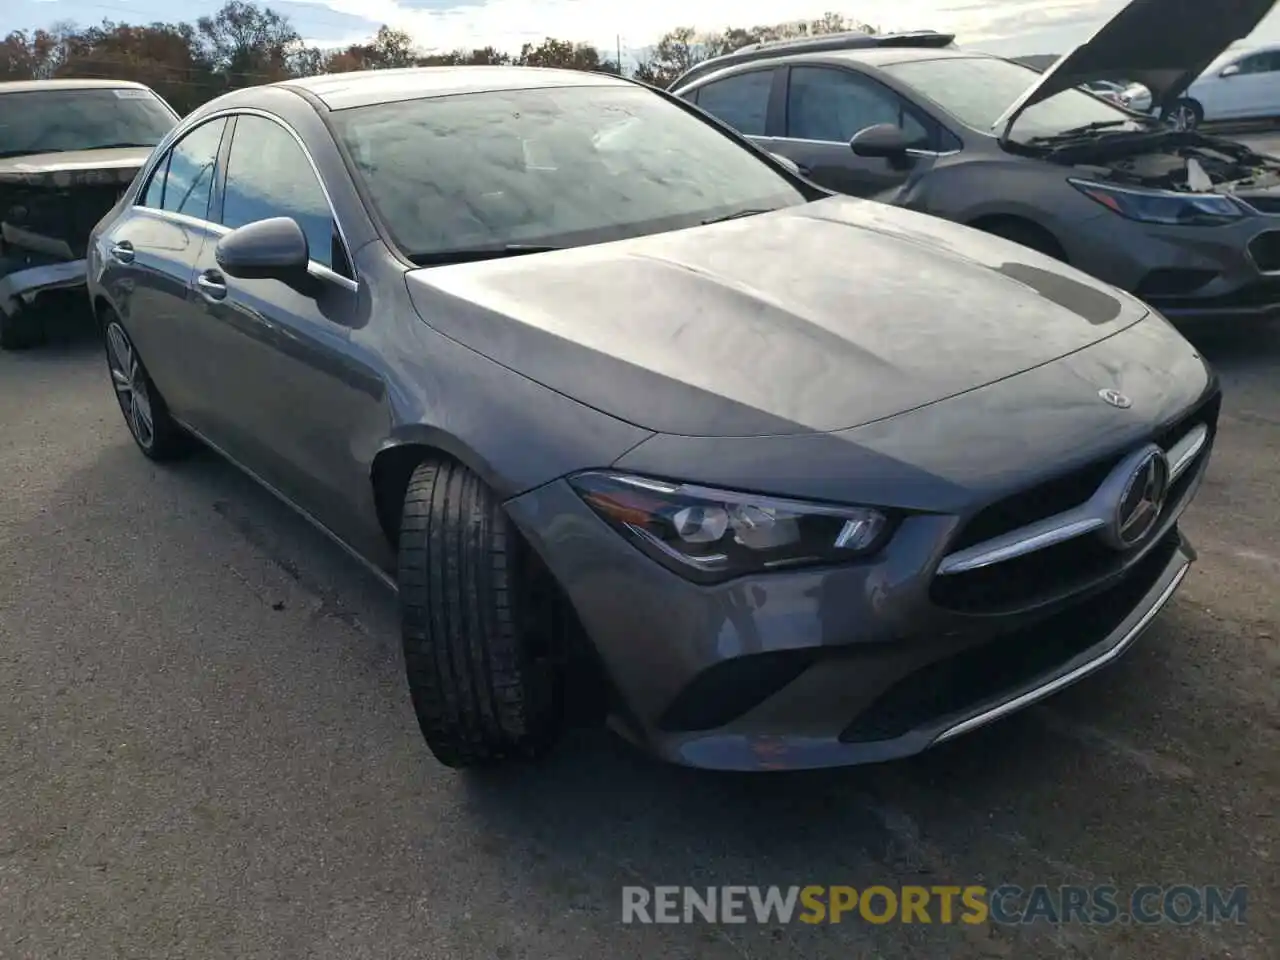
column 21, row 329
column 157, row 434
column 483, row 677
column 1025, row 233
column 1185, row 114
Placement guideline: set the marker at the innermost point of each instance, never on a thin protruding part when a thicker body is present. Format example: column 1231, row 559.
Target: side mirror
column 786, row 162
column 883, row 140
column 1230, row 70
column 274, row 249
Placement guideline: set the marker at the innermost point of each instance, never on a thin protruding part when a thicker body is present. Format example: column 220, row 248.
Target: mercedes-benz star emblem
column 1115, row 398
column 1140, row 505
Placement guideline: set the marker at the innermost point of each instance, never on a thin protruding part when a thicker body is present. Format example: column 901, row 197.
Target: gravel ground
column 207, row 750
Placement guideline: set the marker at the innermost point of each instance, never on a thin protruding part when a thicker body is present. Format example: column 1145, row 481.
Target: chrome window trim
column 162, row 150
column 1094, row 514
column 911, row 151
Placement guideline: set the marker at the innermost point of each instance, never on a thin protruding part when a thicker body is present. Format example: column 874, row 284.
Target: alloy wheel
column 1183, row 118
column 130, row 382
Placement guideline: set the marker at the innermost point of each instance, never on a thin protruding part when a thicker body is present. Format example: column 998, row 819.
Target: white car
column 1239, row 85
column 1106, row 89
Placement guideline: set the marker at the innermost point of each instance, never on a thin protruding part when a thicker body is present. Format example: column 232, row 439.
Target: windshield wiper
column 751, row 212
column 1075, row 133
column 441, row 257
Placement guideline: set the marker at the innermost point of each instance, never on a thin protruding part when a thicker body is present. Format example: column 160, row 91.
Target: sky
column 1009, row 27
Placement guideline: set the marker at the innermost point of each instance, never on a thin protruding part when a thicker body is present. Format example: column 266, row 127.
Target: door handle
column 804, row 169
column 211, row 285
column 122, row 252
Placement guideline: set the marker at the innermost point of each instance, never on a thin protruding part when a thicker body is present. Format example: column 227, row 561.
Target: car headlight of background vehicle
column 712, row 535
column 1162, row 206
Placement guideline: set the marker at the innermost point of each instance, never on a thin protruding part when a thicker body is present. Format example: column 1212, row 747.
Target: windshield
column 978, row 90
column 557, row 167
column 54, row 121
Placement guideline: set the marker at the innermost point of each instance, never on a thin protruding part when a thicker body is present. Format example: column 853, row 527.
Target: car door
column 290, row 397
column 1242, row 93
column 1261, row 85
column 149, row 258
column 825, row 107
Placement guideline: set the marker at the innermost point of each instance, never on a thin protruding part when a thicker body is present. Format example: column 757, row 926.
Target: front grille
column 1174, row 282
column 1265, row 250
column 1264, row 202
column 997, row 670
column 1073, row 488
column 1063, row 569
column 1255, row 297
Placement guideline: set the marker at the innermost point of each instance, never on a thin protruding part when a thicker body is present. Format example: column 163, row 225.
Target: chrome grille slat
column 1092, row 515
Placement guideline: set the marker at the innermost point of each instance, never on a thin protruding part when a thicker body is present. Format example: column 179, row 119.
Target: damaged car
column 1187, row 221
column 68, row 151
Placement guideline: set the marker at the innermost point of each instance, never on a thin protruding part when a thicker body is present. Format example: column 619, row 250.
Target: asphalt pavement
column 207, row 749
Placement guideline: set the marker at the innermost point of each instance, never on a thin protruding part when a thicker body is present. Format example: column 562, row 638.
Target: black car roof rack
column 851, row 40
column 848, row 40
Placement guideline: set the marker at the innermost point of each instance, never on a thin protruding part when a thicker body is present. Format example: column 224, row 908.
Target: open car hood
column 1162, row 44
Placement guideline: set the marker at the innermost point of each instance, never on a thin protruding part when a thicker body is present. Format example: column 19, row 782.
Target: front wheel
column 484, row 682
column 20, row 329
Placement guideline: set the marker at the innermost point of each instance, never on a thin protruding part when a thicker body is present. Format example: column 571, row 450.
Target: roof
column 883, row 56
column 30, row 86
column 828, row 42
column 872, row 56
column 361, row 88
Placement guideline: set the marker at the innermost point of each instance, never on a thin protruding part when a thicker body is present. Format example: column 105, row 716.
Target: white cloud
column 509, row 23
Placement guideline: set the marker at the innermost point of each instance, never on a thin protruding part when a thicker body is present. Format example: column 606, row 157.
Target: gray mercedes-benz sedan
column 642, row 425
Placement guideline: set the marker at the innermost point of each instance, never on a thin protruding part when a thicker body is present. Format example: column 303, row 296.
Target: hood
column 1162, row 44
column 806, row 320
column 75, row 167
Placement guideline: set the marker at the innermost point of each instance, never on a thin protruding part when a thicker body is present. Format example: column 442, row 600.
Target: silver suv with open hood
column 68, row 150
column 1188, row 221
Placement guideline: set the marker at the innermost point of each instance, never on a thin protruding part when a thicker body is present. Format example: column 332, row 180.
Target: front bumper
column 825, row 667
column 23, row 285
column 1224, row 273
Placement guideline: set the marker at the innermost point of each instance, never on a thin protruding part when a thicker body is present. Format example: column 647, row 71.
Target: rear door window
column 741, row 101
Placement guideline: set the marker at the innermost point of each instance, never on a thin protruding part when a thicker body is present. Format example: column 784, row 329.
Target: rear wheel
column 483, row 675
column 1185, row 114
column 146, row 414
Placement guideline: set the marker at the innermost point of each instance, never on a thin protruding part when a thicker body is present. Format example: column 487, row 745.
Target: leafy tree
column 244, row 44
column 684, row 48
column 566, row 55
column 479, row 57
column 388, row 49
column 30, row 56
column 163, row 56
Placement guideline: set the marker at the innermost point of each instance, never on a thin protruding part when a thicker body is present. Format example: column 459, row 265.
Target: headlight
column 712, row 535
column 1160, row 206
